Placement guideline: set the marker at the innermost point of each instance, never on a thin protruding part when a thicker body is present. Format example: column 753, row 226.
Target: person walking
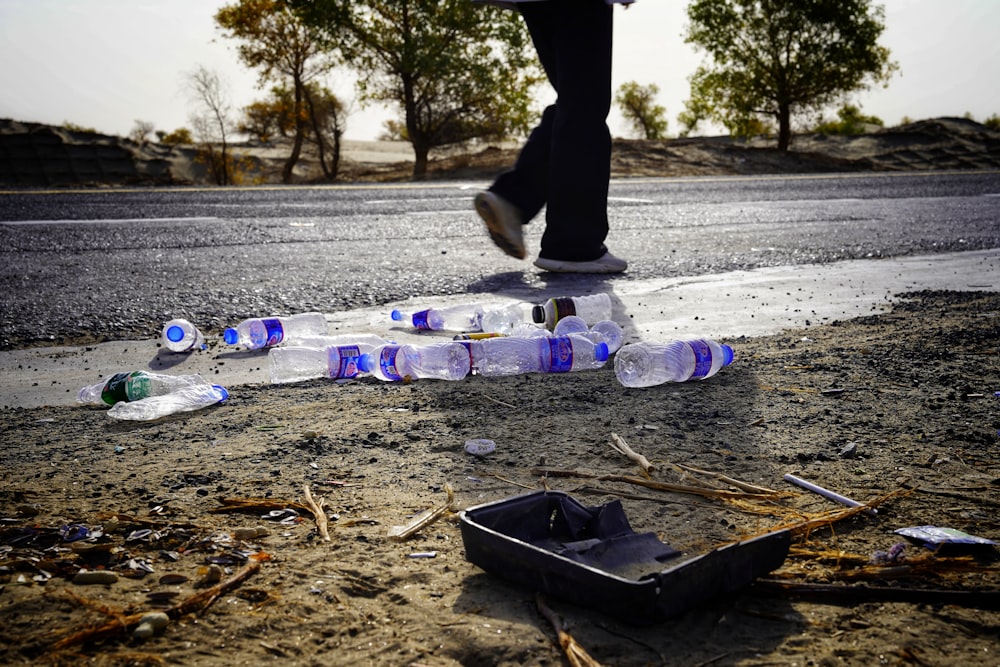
column 565, row 164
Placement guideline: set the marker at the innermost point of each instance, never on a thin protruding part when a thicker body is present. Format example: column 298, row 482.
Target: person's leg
column 526, row 184
column 580, row 151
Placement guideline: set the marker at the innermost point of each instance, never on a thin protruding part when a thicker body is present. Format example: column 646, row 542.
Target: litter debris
column 480, row 447
column 826, row 493
column 424, row 519
column 934, row 537
column 591, row 556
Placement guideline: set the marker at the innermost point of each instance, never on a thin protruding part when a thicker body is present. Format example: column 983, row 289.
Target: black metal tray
column 591, row 556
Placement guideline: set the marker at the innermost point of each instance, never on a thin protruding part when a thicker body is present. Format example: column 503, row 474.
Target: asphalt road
column 116, row 264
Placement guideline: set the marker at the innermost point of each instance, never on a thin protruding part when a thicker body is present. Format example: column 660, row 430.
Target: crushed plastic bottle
column 540, row 354
column 606, row 331
column 295, row 363
column 502, row 319
column 441, row 361
column 136, row 386
column 256, row 333
column 592, row 308
column 186, row 399
column 463, row 317
column 179, row 335
column 649, row 364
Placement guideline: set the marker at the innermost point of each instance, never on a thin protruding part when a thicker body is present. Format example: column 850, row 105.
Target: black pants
column 566, row 163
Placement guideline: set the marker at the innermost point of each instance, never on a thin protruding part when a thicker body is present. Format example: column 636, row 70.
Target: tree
column 640, row 110
column 777, row 58
column 141, row 131
column 213, row 122
column 851, row 121
column 456, row 71
column 276, row 42
column 181, row 135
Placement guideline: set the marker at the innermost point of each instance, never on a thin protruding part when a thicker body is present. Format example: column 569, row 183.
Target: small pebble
column 86, row 578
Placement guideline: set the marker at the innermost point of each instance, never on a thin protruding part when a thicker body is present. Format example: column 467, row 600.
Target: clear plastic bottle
column 474, row 346
column 258, row 332
column 592, row 308
column 463, row 317
column 540, row 354
column 323, row 340
column 501, row 320
column 185, row 399
column 610, row 332
column 441, row 361
column 571, row 324
column 295, row 363
column 649, row 364
column 135, row 386
column 179, row 335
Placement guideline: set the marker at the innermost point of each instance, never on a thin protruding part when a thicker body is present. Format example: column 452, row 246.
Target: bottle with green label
column 135, row 386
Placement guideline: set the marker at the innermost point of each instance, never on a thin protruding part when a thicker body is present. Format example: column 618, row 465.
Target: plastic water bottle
column 463, row 317
column 185, row 399
column 295, row 364
column 648, row 364
column 257, row 332
column 182, row 336
column 322, row 340
column 135, row 386
column 474, row 346
column 441, row 361
column 606, row 331
column 540, row 354
column 501, row 320
column 592, row 308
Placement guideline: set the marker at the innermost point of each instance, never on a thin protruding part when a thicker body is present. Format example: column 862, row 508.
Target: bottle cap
column 538, row 314
column 727, row 355
column 601, row 352
column 231, row 336
column 365, row 363
column 396, row 315
column 223, row 394
column 175, row 333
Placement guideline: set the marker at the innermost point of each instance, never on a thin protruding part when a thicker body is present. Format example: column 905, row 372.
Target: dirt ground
column 899, row 407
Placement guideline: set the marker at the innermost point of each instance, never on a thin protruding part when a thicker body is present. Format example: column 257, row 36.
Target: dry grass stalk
column 576, row 654
column 619, row 445
column 316, row 507
column 424, row 519
column 721, row 494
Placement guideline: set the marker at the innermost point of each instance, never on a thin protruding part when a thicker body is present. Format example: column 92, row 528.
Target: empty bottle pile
column 565, row 334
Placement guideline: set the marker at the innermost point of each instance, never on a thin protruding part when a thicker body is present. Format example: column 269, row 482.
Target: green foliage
column 270, row 117
column 850, row 121
column 456, row 71
column 181, row 135
column 640, row 109
column 273, row 39
column 73, row 127
column 776, row 58
column 993, row 122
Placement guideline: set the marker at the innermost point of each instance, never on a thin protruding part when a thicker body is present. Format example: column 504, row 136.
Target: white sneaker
column 503, row 222
column 606, row 263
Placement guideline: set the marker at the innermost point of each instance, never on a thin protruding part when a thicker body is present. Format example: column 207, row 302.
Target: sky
column 105, row 64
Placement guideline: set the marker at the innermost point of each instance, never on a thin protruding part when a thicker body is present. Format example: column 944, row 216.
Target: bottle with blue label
column 260, row 332
column 649, row 364
column 463, row 317
column 539, row 354
column 296, row 364
column 440, row 361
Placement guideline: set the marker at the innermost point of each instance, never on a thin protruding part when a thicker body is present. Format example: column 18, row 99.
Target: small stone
column 849, row 451
column 87, row 578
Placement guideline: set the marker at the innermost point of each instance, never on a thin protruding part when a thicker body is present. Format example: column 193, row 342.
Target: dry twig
column 576, row 654
column 316, row 507
column 619, row 445
column 424, row 519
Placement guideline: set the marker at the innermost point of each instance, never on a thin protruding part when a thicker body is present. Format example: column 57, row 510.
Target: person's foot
column 503, row 222
column 606, row 263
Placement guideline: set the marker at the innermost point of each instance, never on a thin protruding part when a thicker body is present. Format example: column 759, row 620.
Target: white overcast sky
column 107, row 63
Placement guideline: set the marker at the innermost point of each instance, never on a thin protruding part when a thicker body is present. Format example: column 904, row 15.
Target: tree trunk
column 784, row 127
column 420, row 151
column 300, row 131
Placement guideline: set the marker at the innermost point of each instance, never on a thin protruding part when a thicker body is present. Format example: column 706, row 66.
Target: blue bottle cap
column 175, row 333
column 365, row 363
column 601, row 352
column 727, row 355
column 396, row 315
column 222, row 391
column 231, row 336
